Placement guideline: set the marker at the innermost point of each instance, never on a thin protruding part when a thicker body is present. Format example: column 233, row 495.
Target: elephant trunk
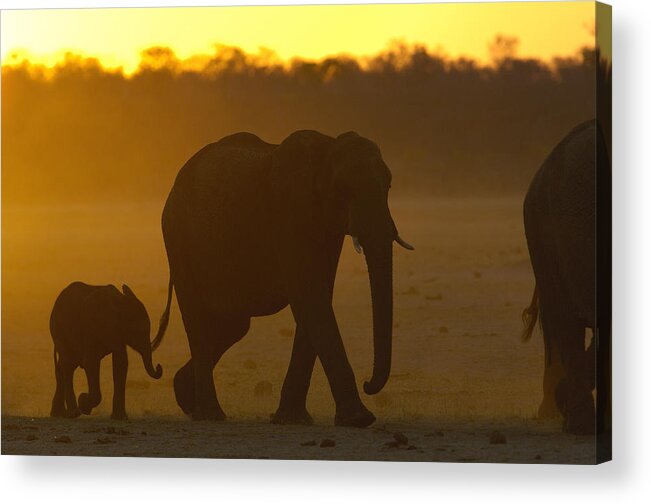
column 149, row 366
column 380, row 269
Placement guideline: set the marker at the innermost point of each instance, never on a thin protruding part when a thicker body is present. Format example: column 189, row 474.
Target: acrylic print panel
column 227, row 178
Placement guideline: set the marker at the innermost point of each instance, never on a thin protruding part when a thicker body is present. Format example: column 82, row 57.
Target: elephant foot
column 72, row 413
column 360, row 418
column 86, row 405
column 58, row 411
column 548, row 410
column 286, row 416
column 119, row 415
column 215, row 414
column 577, row 408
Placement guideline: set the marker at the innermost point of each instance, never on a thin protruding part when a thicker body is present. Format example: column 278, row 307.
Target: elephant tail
column 164, row 319
column 530, row 316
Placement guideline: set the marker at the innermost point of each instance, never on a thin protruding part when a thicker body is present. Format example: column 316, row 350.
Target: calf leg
column 120, row 365
column 58, row 401
column 87, row 401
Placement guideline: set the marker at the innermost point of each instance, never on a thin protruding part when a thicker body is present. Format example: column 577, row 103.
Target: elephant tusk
column 403, row 243
column 357, row 245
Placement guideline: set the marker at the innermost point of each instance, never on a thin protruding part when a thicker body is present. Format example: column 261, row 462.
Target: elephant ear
column 301, row 181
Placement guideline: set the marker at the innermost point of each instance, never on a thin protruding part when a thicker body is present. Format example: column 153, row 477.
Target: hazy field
column 459, row 364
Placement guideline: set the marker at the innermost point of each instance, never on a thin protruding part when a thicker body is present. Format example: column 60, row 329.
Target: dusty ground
column 513, row 441
column 458, row 367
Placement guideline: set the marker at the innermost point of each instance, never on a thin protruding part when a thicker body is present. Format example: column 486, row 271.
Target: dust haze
column 89, row 156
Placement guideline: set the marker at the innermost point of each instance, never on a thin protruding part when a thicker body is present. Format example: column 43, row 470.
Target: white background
column 626, row 479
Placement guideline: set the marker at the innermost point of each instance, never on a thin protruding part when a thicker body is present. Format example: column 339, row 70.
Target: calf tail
column 165, row 318
column 530, row 316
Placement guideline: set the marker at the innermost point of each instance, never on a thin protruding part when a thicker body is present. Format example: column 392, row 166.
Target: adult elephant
column 560, row 219
column 251, row 227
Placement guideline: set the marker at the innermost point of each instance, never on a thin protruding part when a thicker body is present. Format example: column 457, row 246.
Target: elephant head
column 337, row 187
column 136, row 327
column 362, row 180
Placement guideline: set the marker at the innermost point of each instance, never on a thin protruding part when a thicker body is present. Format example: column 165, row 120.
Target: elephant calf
column 87, row 323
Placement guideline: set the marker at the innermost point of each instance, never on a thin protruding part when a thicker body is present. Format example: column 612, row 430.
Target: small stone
column 327, row 443
column 400, row 438
column 262, row 389
column 312, row 442
column 249, row 364
column 31, row 437
column 496, row 437
column 62, row 439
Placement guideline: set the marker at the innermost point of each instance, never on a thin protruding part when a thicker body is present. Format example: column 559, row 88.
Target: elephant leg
column 120, row 365
column 58, row 401
column 292, row 408
column 574, row 393
column 293, row 396
column 67, row 370
column 88, row 401
column 220, row 335
column 553, row 375
column 312, row 309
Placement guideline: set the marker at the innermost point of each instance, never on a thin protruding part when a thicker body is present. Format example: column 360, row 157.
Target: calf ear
column 127, row 291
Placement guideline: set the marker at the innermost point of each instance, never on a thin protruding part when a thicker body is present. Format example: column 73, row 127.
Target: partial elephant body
column 218, row 213
column 87, row 323
column 560, row 225
column 251, row 227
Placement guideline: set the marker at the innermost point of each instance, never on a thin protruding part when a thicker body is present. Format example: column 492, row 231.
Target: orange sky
column 116, row 36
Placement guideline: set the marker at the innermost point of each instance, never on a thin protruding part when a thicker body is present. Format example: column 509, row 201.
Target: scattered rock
column 496, row 437
column 437, row 297
column 249, row 364
column 62, row 439
column 443, row 329
column 104, row 440
column 400, row 438
column 309, row 443
column 31, row 437
column 262, row 389
column 327, row 443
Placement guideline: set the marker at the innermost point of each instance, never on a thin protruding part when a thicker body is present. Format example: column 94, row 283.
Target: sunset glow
column 116, row 36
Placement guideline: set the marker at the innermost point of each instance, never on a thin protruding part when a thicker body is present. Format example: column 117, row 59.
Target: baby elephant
column 87, row 323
